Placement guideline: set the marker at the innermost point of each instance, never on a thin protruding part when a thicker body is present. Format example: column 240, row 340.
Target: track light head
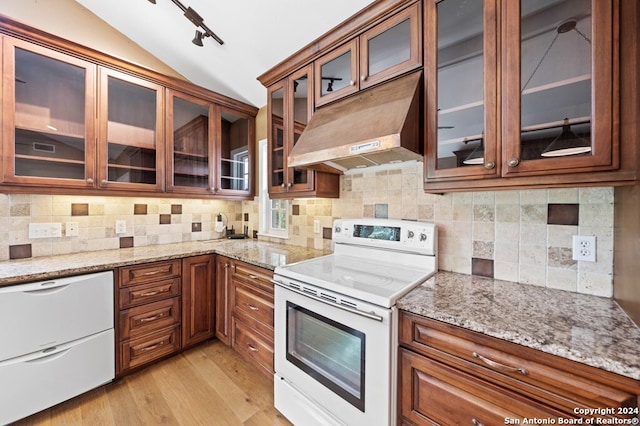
column 152, row 1
column 197, row 40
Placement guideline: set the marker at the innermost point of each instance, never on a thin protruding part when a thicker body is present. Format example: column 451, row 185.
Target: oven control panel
column 405, row 235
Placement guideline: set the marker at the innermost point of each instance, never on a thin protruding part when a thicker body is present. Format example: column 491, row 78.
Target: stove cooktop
column 368, row 269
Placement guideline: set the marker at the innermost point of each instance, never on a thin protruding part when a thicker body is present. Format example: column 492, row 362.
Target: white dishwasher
column 56, row 342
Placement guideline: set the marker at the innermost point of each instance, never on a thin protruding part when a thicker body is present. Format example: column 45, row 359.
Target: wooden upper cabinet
column 190, row 124
column 131, row 134
column 290, row 107
column 48, row 108
column 508, row 82
column 390, row 48
column 78, row 121
column 235, row 143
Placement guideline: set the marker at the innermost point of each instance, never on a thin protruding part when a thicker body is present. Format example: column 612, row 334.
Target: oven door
column 333, row 365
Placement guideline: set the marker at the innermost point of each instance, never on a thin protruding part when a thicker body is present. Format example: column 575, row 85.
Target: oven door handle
column 356, row 311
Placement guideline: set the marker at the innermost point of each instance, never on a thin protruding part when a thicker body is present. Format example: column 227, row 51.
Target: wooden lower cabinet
column 162, row 308
column 197, row 299
column 249, row 312
column 449, row 375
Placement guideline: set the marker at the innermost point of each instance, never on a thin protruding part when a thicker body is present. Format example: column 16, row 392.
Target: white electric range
column 336, row 322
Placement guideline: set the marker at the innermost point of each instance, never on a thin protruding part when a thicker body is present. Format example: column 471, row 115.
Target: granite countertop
column 263, row 254
column 588, row 329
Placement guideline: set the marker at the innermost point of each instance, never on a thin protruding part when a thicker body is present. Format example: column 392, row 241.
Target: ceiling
column 257, row 35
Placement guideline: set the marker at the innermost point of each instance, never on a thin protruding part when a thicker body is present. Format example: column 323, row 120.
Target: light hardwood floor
column 207, row 385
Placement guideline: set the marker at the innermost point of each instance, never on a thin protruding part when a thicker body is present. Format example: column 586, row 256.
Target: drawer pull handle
column 252, row 348
column 153, row 293
column 476, row 422
column 253, row 308
column 152, row 347
column 157, row 271
column 253, row 277
column 500, row 367
column 153, row 318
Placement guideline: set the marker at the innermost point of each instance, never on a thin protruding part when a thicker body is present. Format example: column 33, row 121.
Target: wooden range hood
column 377, row 126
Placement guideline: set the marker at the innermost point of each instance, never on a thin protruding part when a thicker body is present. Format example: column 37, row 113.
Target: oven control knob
column 337, row 230
column 423, row 237
column 411, row 234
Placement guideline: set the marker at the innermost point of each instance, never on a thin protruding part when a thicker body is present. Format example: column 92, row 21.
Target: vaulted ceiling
column 257, row 35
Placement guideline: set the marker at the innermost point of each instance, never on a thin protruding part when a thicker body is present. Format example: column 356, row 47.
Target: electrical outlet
column 584, row 248
column 316, row 226
column 71, row 229
column 121, row 226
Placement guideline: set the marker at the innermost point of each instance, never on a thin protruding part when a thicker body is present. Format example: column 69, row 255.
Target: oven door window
column 328, row 351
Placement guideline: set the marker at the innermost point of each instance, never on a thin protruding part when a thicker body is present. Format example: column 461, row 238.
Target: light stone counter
column 263, row 254
column 588, row 329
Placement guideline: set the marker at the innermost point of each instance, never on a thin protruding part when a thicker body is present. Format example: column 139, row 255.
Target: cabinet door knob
column 513, row 162
column 90, row 181
column 352, row 83
column 103, row 182
column 489, row 165
column 363, row 78
column 283, row 185
column 289, row 185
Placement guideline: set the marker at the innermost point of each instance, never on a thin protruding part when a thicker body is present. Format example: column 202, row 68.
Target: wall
column 510, row 235
column 69, row 20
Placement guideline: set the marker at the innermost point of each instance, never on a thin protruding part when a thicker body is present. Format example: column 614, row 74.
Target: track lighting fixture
column 196, row 20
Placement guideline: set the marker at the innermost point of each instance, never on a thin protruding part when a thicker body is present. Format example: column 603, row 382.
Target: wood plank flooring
column 207, row 385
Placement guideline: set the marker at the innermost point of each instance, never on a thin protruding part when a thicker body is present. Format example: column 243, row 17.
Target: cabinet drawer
column 151, row 292
column 555, row 381
column 448, row 396
column 150, row 347
column 259, row 277
column 252, row 303
column 148, row 318
column 253, row 346
column 132, row 275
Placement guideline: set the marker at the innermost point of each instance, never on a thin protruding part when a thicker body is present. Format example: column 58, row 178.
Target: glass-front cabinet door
column 48, row 110
column 276, row 162
column 130, row 148
column 461, row 109
column 290, row 108
column 337, row 73
column 558, row 86
column 235, row 152
column 301, row 105
column 391, row 48
column 190, row 147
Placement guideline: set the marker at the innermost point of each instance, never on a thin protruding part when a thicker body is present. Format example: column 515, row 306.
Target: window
column 274, row 218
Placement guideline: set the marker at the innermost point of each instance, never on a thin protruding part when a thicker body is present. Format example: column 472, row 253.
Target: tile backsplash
column 146, row 221
column 521, row 236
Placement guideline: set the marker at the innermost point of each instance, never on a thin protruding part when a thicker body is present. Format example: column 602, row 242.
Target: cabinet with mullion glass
column 48, row 104
column 131, row 143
